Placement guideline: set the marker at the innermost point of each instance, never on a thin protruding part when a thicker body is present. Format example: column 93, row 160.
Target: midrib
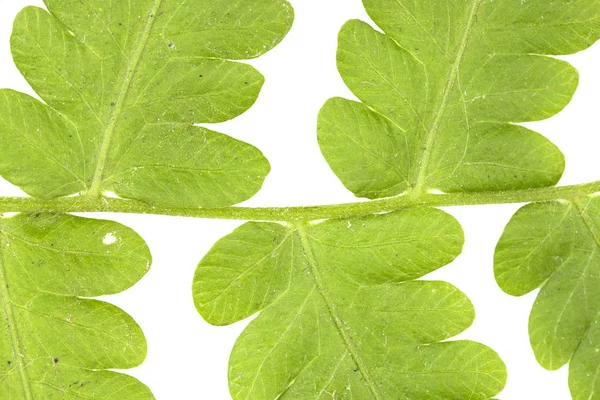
column 587, row 221
column 123, row 90
column 581, row 208
column 339, row 324
column 13, row 331
column 431, row 134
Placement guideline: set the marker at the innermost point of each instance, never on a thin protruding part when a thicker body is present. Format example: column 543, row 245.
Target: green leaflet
column 124, row 82
column 556, row 245
column 441, row 89
column 339, row 313
column 55, row 342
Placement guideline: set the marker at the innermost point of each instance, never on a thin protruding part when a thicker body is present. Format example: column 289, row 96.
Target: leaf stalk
column 85, row 204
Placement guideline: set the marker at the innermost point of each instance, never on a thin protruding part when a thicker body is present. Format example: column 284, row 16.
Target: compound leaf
column 340, row 313
column 556, row 246
column 124, row 84
column 55, row 342
column 441, row 89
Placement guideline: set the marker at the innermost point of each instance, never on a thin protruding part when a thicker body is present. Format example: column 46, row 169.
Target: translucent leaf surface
column 123, row 85
column 556, row 246
column 340, row 315
column 56, row 342
column 441, row 88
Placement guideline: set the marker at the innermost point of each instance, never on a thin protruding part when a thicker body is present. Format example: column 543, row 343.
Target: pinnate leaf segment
column 342, row 311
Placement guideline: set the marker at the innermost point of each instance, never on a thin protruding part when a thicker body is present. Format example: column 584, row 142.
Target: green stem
column 103, row 204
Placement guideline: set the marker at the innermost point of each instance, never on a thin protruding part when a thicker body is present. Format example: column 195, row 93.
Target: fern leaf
column 341, row 314
column 124, row 84
column 56, row 342
column 441, row 89
column 556, row 246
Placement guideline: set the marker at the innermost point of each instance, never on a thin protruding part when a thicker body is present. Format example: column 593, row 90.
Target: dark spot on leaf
column 55, row 360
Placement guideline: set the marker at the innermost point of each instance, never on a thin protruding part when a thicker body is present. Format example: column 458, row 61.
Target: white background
column 187, row 358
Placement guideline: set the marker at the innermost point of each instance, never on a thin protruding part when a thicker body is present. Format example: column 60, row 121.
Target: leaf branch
column 306, row 213
column 130, row 71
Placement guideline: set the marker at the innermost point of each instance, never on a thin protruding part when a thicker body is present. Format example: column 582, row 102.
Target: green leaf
column 124, row 84
column 441, row 89
column 55, row 342
column 556, row 246
column 340, row 315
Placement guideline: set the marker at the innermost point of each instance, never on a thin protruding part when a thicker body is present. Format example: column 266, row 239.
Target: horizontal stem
column 103, row 204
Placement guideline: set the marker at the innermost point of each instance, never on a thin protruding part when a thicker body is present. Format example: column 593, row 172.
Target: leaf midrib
column 431, row 134
column 13, row 330
column 123, row 90
column 299, row 213
column 339, row 324
column 582, row 209
column 588, row 223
